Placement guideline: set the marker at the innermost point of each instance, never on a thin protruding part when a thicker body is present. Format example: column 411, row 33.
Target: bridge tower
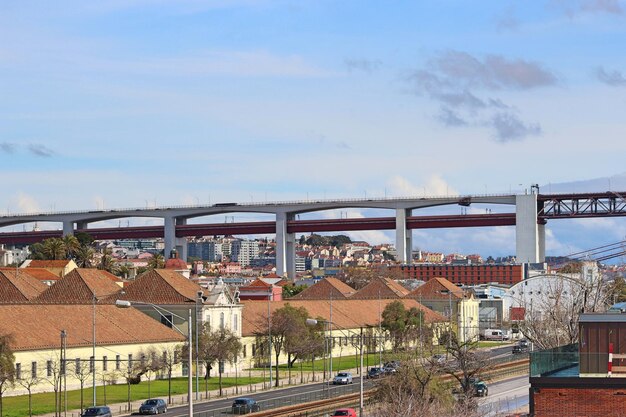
column 530, row 237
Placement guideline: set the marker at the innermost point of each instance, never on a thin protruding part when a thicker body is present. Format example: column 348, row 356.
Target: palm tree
column 54, row 249
column 156, row 262
column 71, row 244
column 84, row 256
column 106, row 261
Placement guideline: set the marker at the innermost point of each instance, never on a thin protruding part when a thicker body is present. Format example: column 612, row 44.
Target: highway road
column 500, row 394
column 506, row 396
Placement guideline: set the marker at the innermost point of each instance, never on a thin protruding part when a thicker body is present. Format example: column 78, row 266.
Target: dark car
column 524, row 343
column 519, row 349
column 480, row 389
column 102, row 411
column 153, row 406
column 245, row 406
column 375, row 373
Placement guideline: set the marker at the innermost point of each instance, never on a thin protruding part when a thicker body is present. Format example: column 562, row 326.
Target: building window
column 253, row 350
column 166, row 319
column 130, row 360
column 244, row 350
column 49, row 368
column 33, row 370
column 92, row 364
column 18, row 370
column 235, row 322
column 221, row 320
column 118, row 361
column 77, row 365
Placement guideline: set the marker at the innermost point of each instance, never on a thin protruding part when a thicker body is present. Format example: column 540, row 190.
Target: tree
column 71, row 245
column 82, row 373
column 54, row 249
column 84, row 256
column 170, row 358
column 466, row 364
column 150, row 363
column 7, row 366
column 54, row 372
column 290, row 290
column 31, row 379
column 107, row 263
column 132, row 374
column 156, row 262
column 551, row 320
column 286, row 323
column 403, row 325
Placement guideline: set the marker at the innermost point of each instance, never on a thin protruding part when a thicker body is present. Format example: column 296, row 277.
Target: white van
column 494, row 334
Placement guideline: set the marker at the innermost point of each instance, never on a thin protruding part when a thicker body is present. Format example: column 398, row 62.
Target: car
column 524, row 343
column 439, row 358
column 102, row 411
column 153, row 406
column 389, row 370
column 342, row 378
column 480, row 389
column 245, row 406
column 375, row 373
column 393, row 364
column 349, row 412
column 519, row 349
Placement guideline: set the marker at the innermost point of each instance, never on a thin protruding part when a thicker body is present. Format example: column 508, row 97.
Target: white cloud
column 435, row 185
column 26, row 204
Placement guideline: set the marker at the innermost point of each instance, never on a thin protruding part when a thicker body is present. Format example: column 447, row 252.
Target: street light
column 128, row 304
column 314, row 322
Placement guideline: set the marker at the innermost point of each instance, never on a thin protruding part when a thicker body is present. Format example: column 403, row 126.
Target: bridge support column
column 285, row 246
column 404, row 238
column 529, row 236
column 82, row 225
column 68, row 227
column 169, row 235
column 181, row 242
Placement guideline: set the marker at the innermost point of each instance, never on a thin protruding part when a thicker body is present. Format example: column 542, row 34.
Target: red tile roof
column 79, row 287
column 18, row 286
column 347, row 314
column 324, row 289
column 42, row 274
column 35, row 326
column 161, row 286
column 381, row 288
column 436, row 288
column 38, row 263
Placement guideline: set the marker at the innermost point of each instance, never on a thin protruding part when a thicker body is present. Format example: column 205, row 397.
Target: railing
column 560, row 361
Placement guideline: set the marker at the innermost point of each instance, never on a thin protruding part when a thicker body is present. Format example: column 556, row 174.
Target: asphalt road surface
column 499, row 394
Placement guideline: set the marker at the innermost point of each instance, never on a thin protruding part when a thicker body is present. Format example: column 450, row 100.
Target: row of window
column 78, row 366
column 166, row 319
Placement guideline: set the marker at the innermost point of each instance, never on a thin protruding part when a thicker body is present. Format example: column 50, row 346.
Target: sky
column 108, row 104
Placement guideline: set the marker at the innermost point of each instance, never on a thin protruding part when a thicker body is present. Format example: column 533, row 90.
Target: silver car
column 342, row 378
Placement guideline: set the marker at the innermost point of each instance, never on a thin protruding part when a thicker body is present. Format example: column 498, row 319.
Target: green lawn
column 44, row 402
column 339, row 363
column 492, row 343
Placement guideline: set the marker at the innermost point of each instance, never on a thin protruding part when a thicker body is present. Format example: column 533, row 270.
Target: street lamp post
column 127, row 304
column 93, row 362
column 314, row 322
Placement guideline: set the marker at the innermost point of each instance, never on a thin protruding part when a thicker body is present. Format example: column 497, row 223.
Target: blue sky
column 124, row 103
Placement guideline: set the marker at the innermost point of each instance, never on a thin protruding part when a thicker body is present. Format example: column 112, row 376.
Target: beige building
column 121, row 336
column 460, row 307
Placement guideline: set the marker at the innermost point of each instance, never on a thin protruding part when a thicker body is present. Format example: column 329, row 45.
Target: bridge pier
column 404, row 237
column 530, row 237
column 285, row 246
column 170, row 239
column 68, row 227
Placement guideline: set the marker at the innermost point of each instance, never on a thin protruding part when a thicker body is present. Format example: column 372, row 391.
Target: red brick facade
column 466, row 274
column 580, row 402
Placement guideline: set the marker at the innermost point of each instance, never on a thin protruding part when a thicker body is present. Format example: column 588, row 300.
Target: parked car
column 342, row 378
column 153, row 406
column 393, row 364
column 349, row 412
column 524, row 343
column 375, row 373
column 519, row 349
column 102, row 411
column 245, row 406
column 389, row 370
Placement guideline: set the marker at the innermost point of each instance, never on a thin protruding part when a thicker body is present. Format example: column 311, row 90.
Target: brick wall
column 580, row 402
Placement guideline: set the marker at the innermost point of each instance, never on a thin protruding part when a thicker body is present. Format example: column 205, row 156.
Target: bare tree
column 7, row 366
column 55, row 371
column 551, row 316
column 171, row 357
column 82, row 372
column 28, row 381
